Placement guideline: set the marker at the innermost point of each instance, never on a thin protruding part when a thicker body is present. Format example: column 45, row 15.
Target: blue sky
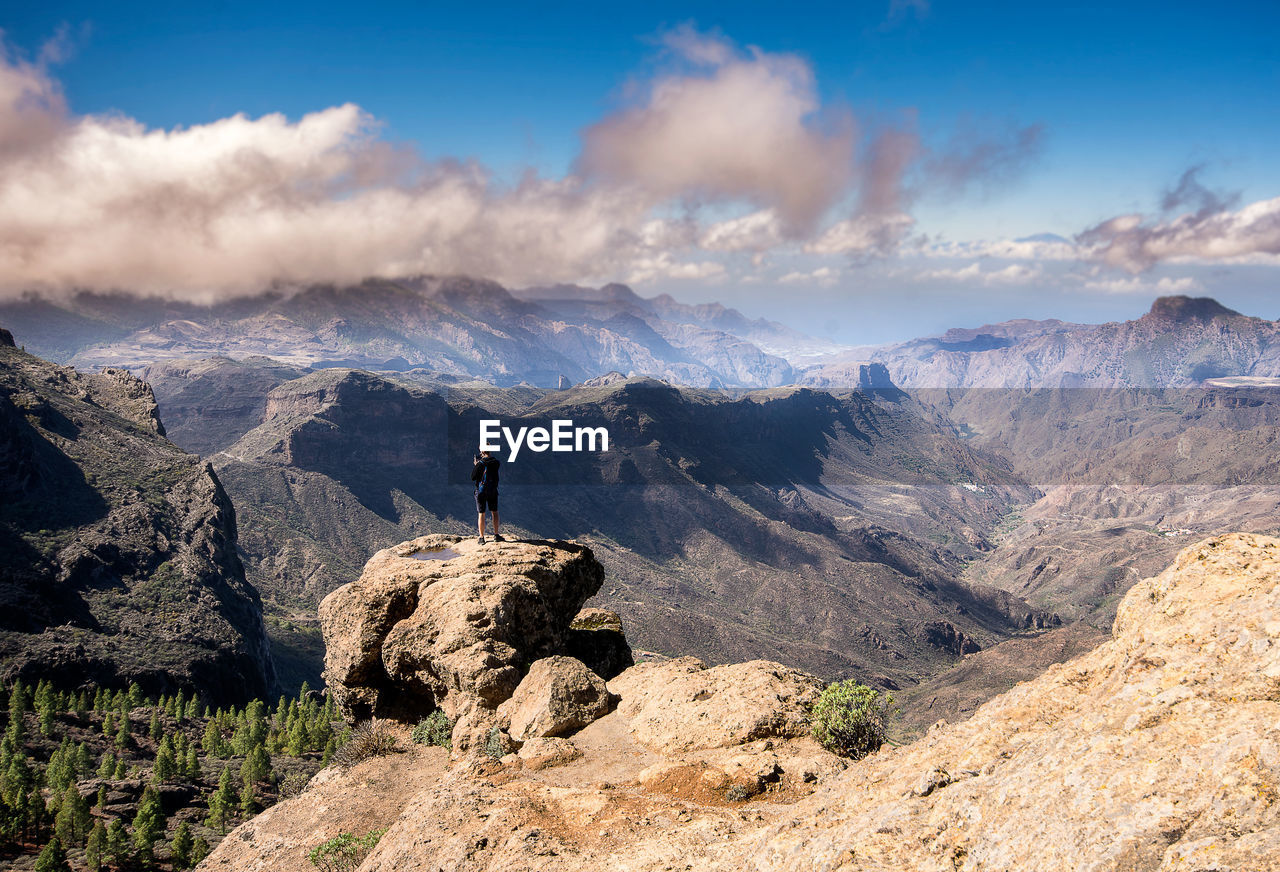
column 1123, row 99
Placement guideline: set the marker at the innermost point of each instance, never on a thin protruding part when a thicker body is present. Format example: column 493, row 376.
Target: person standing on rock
column 485, row 475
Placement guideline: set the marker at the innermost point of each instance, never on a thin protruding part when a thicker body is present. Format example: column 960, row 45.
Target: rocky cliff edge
column 1158, row 750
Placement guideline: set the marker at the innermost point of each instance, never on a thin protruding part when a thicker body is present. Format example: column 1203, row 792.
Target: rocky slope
column 117, row 549
column 1158, row 750
column 1180, row 342
column 453, row 325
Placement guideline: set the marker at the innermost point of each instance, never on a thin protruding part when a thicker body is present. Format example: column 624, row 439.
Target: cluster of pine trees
column 109, row 779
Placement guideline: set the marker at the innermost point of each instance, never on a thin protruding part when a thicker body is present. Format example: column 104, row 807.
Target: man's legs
column 495, row 524
column 480, row 524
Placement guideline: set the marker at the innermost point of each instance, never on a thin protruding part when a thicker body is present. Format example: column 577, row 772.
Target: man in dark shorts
column 485, row 475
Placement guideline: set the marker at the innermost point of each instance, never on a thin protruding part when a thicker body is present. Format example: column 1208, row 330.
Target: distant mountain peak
column 1179, row 309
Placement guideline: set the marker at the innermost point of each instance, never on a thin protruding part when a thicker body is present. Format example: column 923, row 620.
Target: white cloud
column 1013, row 274
column 663, row 266
column 738, row 127
column 229, row 207
column 1135, row 243
column 863, row 234
column 823, row 275
column 1135, row 285
column 757, row 231
column 1047, row 248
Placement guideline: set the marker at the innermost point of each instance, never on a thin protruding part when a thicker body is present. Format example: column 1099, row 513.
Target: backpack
column 487, row 484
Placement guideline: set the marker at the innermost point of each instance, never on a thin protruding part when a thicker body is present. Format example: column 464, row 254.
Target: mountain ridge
column 119, row 555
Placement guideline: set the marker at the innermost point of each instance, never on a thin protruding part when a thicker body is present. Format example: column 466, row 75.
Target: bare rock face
column 442, row 622
column 680, row 705
column 1159, row 750
column 559, row 696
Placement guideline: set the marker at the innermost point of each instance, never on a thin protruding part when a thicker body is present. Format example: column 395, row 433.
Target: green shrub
column 493, row 745
column 368, row 739
column 344, row 852
column 434, row 729
column 849, row 719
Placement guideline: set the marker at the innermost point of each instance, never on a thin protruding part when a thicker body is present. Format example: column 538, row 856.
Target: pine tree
column 72, row 821
column 166, row 763
column 199, row 850
column 220, row 803
column 180, row 849
column 58, row 773
column 117, row 843
column 107, row 769
column 257, row 766
column 154, row 730
column 122, row 770
column 101, row 801
column 45, row 703
column 148, row 825
column 193, row 772
column 53, row 858
column 96, row 847
column 248, row 800
column 135, row 697
column 17, row 708
column 82, row 706
column 83, row 767
column 124, row 732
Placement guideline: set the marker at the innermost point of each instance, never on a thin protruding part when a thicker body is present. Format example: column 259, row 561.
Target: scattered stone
column 545, row 753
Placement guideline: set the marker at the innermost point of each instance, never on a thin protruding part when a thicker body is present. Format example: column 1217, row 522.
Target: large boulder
column 680, row 705
column 443, row 622
column 559, row 696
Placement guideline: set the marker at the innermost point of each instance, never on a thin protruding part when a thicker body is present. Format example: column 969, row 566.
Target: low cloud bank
column 229, row 207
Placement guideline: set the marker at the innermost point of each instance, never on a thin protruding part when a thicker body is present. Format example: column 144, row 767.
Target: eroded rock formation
column 442, row 622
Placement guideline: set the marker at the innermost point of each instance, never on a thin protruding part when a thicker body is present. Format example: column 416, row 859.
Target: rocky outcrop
column 442, row 622
column 1156, row 751
column 118, row 558
column 601, row 796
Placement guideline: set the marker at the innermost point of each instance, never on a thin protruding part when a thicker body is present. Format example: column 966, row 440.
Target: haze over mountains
column 454, row 326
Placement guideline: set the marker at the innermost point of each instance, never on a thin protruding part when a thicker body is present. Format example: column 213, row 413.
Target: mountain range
column 454, row 325
column 1181, row 342
column 860, row 523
